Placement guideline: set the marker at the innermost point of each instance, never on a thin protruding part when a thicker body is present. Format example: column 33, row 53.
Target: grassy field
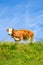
column 21, row 54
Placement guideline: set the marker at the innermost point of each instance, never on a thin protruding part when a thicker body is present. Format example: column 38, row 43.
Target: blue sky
column 21, row 14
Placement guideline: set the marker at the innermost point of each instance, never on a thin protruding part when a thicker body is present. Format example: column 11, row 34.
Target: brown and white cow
column 20, row 34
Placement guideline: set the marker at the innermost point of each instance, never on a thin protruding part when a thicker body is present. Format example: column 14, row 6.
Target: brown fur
column 23, row 34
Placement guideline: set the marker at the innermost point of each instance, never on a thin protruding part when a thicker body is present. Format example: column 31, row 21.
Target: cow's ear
column 13, row 28
column 7, row 30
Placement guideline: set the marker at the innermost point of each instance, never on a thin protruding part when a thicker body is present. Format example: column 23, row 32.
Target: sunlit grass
column 21, row 54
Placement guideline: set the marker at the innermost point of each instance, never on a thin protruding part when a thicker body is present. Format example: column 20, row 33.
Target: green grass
column 21, row 54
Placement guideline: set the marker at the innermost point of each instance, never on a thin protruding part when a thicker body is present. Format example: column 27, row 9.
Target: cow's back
column 18, row 33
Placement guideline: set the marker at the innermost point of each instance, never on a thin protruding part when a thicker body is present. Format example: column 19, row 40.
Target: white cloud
column 39, row 16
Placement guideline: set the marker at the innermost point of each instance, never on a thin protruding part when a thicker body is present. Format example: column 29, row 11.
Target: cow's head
column 10, row 31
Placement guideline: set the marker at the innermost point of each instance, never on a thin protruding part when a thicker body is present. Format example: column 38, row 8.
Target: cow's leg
column 30, row 39
column 22, row 39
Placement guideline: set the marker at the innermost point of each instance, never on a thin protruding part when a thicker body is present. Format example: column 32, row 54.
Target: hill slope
column 21, row 54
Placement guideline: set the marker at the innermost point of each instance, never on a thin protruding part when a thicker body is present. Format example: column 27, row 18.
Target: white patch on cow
column 10, row 31
column 17, row 39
